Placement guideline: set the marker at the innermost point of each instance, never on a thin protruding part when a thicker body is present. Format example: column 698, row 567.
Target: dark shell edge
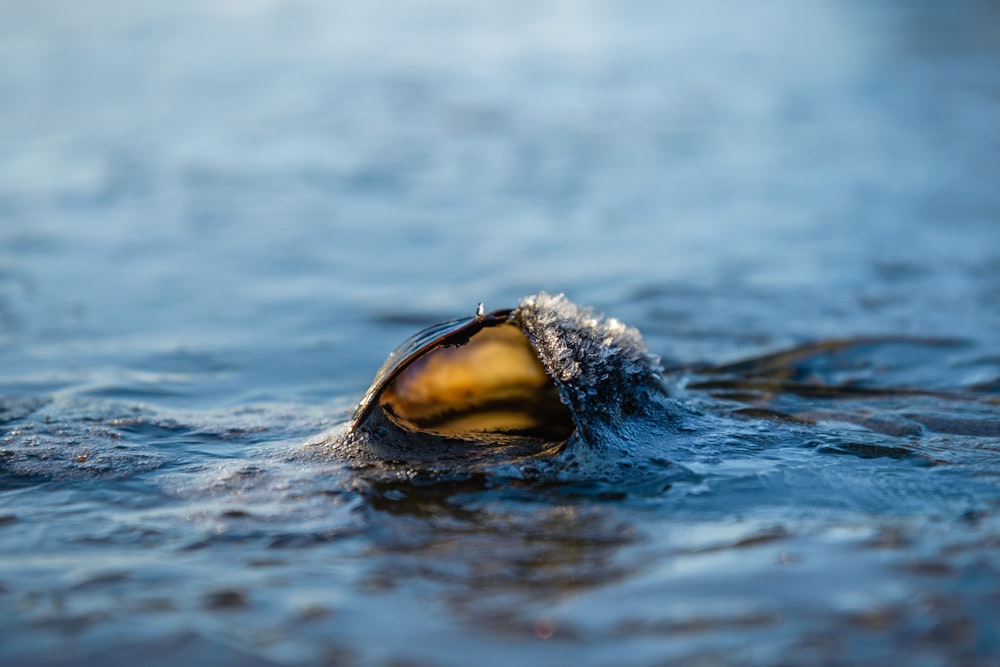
column 452, row 332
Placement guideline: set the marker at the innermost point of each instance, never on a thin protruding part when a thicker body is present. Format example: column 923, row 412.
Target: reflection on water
column 217, row 219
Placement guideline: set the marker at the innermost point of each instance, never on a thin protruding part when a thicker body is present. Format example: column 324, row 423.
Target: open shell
column 516, row 381
column 471, row 378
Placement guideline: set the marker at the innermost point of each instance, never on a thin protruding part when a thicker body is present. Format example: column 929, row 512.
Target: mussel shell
column 452, row 332
column 536, row 379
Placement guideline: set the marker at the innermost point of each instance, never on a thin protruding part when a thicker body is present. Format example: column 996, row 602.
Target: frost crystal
column 602, row 366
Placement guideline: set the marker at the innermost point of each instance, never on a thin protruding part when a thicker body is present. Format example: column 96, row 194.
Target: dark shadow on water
column 868, row 382
column 491, row 544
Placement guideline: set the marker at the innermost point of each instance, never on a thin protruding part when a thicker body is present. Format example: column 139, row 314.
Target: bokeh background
column 292, row 185
column 218, row 217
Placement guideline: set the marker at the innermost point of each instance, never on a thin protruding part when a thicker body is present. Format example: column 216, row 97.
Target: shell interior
column 490, row 382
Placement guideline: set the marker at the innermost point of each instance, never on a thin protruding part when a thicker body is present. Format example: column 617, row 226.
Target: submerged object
column 523, row 381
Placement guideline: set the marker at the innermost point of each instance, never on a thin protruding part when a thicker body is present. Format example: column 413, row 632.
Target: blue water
column 218, row 218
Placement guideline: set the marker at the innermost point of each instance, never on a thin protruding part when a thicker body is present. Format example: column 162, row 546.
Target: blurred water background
column 217, row 218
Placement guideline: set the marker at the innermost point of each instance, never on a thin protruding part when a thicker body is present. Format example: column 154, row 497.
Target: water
column 217, row 219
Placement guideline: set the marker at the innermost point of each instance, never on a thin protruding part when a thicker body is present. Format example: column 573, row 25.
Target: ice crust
column 602, row 366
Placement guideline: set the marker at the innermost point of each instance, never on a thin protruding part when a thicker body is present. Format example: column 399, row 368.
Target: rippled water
column 217, row 219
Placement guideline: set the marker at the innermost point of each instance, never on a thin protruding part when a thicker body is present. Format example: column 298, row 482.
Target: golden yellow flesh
column 492, row 384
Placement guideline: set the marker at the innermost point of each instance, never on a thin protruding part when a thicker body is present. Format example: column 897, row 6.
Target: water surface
column 217, row 219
